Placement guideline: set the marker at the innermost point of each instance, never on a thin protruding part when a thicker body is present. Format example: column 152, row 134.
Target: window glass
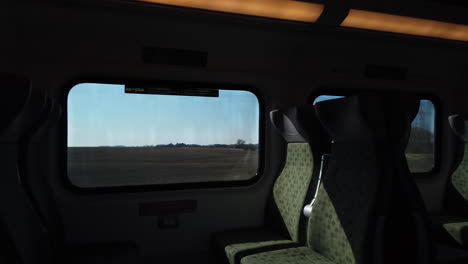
column 322, row 98
column 420, row 150
column 116, row 138
column 421, row 145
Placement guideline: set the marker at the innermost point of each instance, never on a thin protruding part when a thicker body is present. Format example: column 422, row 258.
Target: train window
column 420, row 152
column 124, row 136
column 326, row 97
column 421, row 146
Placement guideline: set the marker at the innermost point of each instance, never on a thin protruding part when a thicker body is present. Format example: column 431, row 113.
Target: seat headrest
column 369, row 117
column 295, row 124
column 400, row 111
column 459, row 126
column 390, row 116
column 31, row 117
column 343, row 119
column 54, row 116
column 15, row 93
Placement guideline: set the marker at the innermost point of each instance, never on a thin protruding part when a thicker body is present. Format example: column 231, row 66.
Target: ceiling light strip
column 405, row 25
column 279, row 9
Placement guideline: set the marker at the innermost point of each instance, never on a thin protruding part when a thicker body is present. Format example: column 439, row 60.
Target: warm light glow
column 281, row 9
column 405, row 25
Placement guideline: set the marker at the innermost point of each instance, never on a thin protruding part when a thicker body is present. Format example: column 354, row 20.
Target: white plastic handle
column 307, row 211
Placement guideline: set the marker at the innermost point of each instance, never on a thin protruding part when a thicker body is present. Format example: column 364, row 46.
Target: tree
column 420, row 141
column 240, row 142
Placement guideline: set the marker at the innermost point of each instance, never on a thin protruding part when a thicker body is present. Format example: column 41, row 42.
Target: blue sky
column 426, row 116
column 104, row 115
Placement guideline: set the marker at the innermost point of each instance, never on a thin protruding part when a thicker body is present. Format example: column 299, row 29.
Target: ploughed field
column 418, row 162
column 122, row 166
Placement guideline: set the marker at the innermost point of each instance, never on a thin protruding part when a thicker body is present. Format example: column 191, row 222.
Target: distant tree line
column 183, row 145
column 240, row 144
column 421, row 141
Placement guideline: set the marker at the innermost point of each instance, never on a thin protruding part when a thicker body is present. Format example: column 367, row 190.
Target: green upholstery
column 326, row 240
column 460, row 176
column 289, row 193
column 248, row 236
column 232, row 250
column 290, row 189
column 454, row 229
column 299, row 255
column 325, row 233
column 340, row 228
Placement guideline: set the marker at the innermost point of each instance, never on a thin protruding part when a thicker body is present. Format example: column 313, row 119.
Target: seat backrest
column 15, row 91
column 408, row 225
column 456, row 198
column 291, row 189
column 341, row 226
column 35, row 177
column 369, row 206
column 19, row 216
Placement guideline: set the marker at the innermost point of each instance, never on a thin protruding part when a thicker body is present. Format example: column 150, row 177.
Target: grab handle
column 307, row 211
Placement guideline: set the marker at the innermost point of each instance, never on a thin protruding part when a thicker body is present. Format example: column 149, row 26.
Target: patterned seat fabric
column 458, row 231
column 290, row 189
column 460, row 184
column 327, row 240
column 284, row 220
column 456, row 200
column 325, row 232
column 341, row 225
column 299, row 255
column 361, row 186
column 338, row 229
column 460, row 177
column 232, row 251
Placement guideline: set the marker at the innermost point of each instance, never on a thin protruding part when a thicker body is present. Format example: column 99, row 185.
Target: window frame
column 423, row 96
column 63, row 137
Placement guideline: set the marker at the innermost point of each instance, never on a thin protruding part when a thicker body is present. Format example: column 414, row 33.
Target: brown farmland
column 418, row 162
column 121, row 166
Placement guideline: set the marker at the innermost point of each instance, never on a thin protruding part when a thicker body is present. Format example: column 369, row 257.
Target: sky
column 104, row 115
column 426, row 116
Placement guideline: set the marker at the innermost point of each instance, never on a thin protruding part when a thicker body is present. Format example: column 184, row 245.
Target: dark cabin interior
column 198, row 131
